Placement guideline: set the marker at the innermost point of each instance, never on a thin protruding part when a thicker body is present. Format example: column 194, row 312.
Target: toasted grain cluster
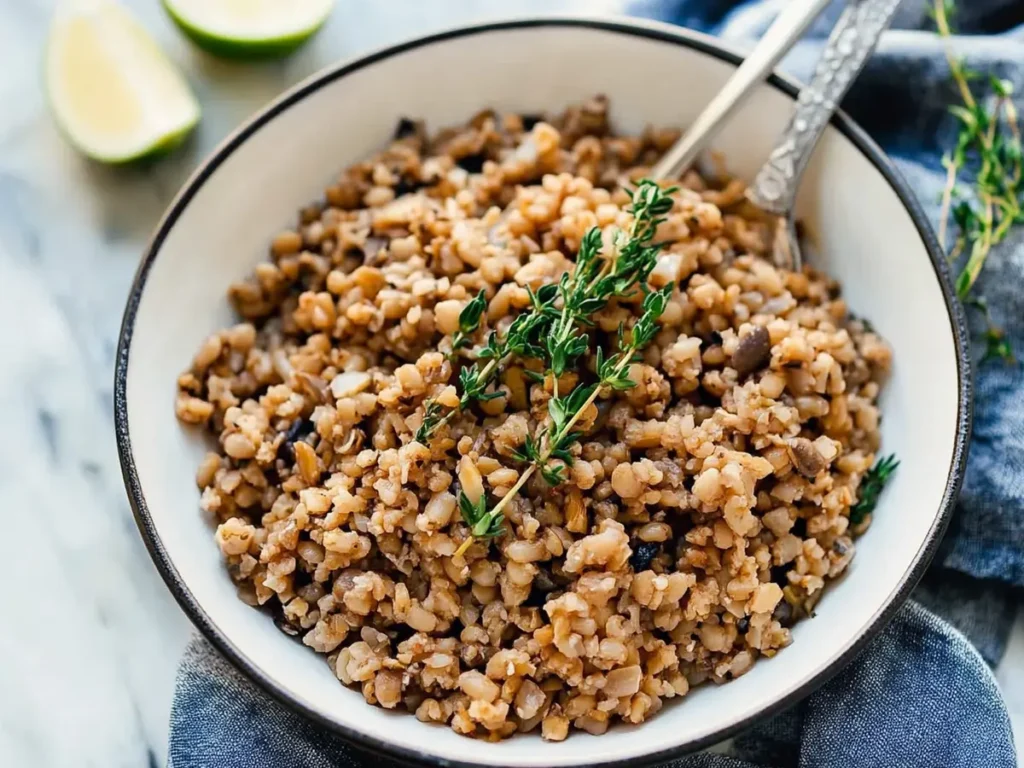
column 705, row 509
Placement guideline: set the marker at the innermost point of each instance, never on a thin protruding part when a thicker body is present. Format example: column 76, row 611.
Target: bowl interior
column 219, row 229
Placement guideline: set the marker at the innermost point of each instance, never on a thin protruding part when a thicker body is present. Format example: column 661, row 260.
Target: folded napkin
column 922, row 693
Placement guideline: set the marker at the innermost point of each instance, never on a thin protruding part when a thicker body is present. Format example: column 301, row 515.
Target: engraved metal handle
column 854, row 38
column 784, row 32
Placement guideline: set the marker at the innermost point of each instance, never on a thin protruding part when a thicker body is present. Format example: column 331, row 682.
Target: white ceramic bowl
column 872, row 237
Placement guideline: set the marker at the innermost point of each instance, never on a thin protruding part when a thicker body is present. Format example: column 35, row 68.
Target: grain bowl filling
column 524, row 443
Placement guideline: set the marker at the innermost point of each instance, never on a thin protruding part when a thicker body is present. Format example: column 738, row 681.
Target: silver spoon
column 788, row 27
column 774, row 188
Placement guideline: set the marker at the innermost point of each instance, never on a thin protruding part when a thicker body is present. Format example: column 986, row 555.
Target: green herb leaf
column 469, row 321
column 997, row 347
column 475, row 516
column 545, row 295
column 553, row 474
column 431, row 420
column 557, row 410
column 469, row 318
column 578, row 398
column 1000, row 87
column 871, row 487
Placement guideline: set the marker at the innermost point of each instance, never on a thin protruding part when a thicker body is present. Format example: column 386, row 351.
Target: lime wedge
column 114, row 94
column 249, row 28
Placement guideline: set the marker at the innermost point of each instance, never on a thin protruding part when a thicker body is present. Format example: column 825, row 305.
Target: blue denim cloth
column 920, row 696
column 922, row 693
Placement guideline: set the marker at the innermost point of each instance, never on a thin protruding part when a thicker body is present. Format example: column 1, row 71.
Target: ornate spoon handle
column 781, row 36
column 854, row 38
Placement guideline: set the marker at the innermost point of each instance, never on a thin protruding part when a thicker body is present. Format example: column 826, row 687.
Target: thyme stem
column 947, row 200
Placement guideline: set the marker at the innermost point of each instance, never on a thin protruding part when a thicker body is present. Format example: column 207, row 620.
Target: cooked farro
column 705, row 508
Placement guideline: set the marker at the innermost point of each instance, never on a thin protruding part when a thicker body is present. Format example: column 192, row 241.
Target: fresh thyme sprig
column 565, row 412
column 587, row 290
column 595, row 281
column 522, row 339
column 555, row 335
column 988, row 150
column 871, row 488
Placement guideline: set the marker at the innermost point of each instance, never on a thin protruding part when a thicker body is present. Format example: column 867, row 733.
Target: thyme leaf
column 871, row 488
column 469, row 321
column 431, row 420
column 475, row 516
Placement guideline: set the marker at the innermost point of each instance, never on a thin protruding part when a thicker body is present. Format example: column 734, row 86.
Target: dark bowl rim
column 652, row 30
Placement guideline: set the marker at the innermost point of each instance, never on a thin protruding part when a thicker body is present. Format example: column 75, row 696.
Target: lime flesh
column 113, row 93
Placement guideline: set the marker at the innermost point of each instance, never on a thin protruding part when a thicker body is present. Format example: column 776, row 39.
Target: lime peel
column 249, row 29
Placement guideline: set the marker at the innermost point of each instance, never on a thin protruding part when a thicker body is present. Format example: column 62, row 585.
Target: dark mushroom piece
column 753, row 352
column 473, row 163
column 805, row 457
column 643, row 554
column 784, row 614
column 530, row 120
column 405, row 185
column 405, row 128
column 282, row 624
column 296, row 431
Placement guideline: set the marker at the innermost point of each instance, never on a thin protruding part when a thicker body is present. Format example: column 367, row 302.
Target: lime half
column 113, row 92
column 249, row 28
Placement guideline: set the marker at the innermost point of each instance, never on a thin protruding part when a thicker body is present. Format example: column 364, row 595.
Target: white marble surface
column 90, row 638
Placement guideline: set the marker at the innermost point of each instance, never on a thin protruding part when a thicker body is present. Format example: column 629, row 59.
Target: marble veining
column 90, row 636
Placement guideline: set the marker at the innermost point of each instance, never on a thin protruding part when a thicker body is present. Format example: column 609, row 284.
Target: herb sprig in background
column 983, row 195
